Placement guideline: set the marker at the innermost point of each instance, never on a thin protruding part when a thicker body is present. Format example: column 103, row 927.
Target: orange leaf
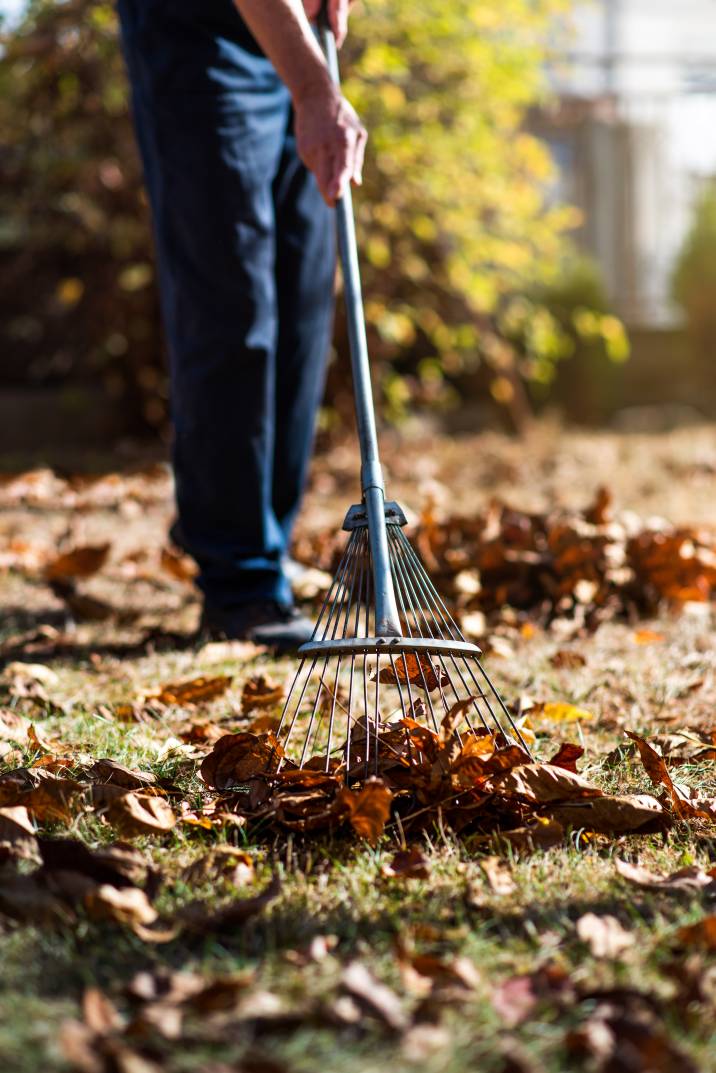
column 79, row 563
column 368, row 809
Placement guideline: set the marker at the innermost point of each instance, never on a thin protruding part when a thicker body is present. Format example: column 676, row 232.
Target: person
column 246, row 144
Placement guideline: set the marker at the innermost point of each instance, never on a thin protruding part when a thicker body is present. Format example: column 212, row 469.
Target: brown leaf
column 417, row 669
column 568, row 659
column 236, row 758
column 375, row 997
column 206, row 919
column 118, row 864
column 258, row 692
column 702, row 934
column 604, row 935
column 541, row 784
column 112, row 773
column 499, row 875
column 407, row 864
column 100, row 1015
column 13, row 726
column 81, row 562
column 223, row 862
column 612, row 815
column 17, row 834
column 657, row 771
column 195, row 691
column 122, row 905
column 542, row 834
column 140, row 814
column 691, row 879
column 368, row 809
column 48, row 798
column 178, row 565
column 567, row 756
column 26, row 898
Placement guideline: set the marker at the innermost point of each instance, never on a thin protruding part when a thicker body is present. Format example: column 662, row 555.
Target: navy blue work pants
column 246, row 258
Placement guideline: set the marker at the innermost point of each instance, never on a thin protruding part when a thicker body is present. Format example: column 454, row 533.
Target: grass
column 333, row 886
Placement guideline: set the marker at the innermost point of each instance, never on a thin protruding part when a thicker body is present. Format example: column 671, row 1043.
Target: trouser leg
column 214, row 128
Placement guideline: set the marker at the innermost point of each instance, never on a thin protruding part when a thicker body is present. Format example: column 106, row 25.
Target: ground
column 488, row 959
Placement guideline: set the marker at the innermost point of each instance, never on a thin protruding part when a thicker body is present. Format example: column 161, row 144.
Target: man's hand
column 330, row 140
column 337, row 16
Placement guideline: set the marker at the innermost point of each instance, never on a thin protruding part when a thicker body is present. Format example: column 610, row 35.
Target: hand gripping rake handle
column 387, row 622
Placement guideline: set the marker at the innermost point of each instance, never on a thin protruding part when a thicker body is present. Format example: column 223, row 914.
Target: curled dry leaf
column 690, row 879
column 259, row 692
column 47, row 797
column 368, row 809
column 604, row 935
column 373, row 996
column 567, row 757
column 206, row 919
column 123, row 905
column 419, row 670
column 17, row 834
column 195, row 691
column 81, row 562
column 13, row 726
column 223, row 862
column 655, row 767
column 236, row 758
column 407, row 864
column 111, row 773
column 618, row 815
column 140, row 814
column 541, row 784
column 178, row 565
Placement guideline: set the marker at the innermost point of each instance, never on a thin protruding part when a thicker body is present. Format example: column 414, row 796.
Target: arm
column 329, row 136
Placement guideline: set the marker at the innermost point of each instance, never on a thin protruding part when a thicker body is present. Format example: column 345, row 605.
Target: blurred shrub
column 460, row 245
column 694, row 279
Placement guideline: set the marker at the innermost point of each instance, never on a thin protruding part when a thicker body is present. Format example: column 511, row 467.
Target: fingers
column 338, row 18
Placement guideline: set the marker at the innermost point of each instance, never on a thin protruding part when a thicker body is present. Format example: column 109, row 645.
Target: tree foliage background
column 461, row 242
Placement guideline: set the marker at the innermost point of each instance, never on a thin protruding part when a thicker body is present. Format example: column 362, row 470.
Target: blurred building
column 633, row 129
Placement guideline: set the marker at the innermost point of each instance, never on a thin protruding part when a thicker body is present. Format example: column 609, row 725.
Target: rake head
column 358, row 699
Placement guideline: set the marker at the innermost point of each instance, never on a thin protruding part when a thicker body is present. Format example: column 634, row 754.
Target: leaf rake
column 386, row 656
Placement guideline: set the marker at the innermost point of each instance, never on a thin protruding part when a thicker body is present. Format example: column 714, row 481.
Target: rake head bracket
column 357, row 516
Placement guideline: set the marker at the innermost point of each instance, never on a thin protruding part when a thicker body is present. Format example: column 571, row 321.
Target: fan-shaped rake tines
column 357, row 698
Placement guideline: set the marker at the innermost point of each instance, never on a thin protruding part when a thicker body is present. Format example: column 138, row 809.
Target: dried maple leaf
column 195, row 691
column 258, row 692
column 407, row 864
column 135, row 813
column 419, row 670
column 236, row 758
column 368, row 809
column 81, row 562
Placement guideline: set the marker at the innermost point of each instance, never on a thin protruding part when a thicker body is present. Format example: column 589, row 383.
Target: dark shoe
column 266, row 623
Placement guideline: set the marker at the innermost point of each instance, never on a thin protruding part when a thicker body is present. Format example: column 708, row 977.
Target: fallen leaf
column 568, row 659
column 81, row 562
column 178, row 565
column 368, row 809
column 17, row 834
column 205, row 918
column 692, row 878
column 36, row 672
column 195, row 691
column 407, row 864
column 236, row 758
column 123, row 905
column 541, row 784
column 702, row 934
column 613, row 815
column 223, row 862
column 567, row 756
column 560, row 712
column 375, row 997
column 109, row 772
column 140, row 814
column 604, row 935
column 419, row 670
column 657, row 771
column 258, row 692
column 648, row 637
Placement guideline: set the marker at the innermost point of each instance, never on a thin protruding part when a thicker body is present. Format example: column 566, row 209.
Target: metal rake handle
column 387, row 622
